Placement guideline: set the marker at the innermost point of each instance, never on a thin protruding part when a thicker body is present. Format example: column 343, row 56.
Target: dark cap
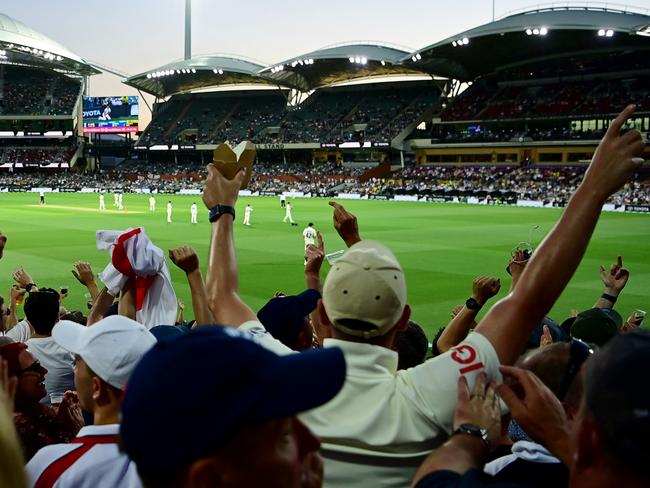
column 556, row 331
column 595, row 326
column 284, row 317
column 618, row 396
column 188, row 395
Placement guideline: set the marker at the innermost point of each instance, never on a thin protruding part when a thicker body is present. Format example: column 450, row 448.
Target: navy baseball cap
column 284, row 317
column 595, row 326
column 188, row 395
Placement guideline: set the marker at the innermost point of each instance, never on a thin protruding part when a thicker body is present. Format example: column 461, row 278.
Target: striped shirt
column 91, row 460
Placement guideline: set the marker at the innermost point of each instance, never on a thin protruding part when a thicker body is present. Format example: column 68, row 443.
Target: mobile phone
column 64, row 291
column 640, row 315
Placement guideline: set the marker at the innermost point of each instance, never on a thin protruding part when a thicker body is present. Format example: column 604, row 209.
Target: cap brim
column 309, row 300
column 300, row 382
column 69, row 335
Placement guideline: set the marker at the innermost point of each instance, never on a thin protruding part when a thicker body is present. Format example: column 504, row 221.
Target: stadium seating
column 31, row 91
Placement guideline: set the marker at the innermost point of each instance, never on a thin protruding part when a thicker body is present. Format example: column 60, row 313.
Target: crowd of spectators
column 554, row 184
column 307, row 391
column 326, row 116
column 37, row 155
column 488, row 100
column 32, row 91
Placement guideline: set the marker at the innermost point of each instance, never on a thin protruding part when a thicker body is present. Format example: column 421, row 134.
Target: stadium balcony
column 36, row 92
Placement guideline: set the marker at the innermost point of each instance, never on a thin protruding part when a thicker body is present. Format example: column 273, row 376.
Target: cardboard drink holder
column 229, row 161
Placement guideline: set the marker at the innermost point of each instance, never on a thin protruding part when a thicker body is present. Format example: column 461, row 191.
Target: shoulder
column 45, row 457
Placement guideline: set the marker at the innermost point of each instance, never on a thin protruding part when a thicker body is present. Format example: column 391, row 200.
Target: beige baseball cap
column 365, row 291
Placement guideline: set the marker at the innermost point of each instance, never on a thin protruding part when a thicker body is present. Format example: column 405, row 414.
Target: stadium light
column 601, row 32
column 220, row 71
column 383, row 63
column 543, row 31
column 529, row 32
column 419, row 56
column 357, row 60
column 645, row 32
column 453, row 43
column 351, row 59
column 536, row 32
column 148, row 76
column 364, row 60
column 609, row 33
column 193, row 70
column 465, row 41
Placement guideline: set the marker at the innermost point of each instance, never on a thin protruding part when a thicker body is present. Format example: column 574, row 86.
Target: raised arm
column 614, row 280
column 186, row 259
column 15, row 292
column 127, row 302
column 509, row 323
column 222, row 282
column 314, row 256
column 483, row 288
column 100, row 307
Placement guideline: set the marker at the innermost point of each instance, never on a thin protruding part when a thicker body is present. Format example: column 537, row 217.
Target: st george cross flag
column 133, row 255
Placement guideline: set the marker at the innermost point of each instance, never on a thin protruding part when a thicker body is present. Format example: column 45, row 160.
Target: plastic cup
column 56, row 398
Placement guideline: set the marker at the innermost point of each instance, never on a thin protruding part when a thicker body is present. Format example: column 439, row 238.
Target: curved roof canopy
column 196, row 73
column 532, row 37
column 339, row 63
column 23, row 45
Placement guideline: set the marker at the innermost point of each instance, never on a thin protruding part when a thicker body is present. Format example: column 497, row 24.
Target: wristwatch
column 29, row 286
column 474, row 430
column 472, row 304
column 218, row 210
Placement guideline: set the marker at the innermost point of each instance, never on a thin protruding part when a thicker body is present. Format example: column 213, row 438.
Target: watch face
column 472, row 304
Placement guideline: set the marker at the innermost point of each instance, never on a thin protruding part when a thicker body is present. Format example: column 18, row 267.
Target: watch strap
column 218, row 210
column 475, row 431
column 609, row 298
column 29, row 286
column 472, row 304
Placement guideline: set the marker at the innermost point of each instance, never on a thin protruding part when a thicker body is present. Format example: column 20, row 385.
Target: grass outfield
column 441, row 246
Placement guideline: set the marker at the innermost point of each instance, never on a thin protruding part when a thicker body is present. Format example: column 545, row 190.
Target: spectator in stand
column 42, row 312
column 364, row 300
column 240, row 426
column 38, row 425
column 105, row 356
column 604, row 445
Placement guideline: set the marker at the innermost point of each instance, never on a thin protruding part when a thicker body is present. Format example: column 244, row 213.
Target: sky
column 133, row 36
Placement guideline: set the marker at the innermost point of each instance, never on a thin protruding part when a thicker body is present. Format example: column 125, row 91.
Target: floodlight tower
column 188, row 29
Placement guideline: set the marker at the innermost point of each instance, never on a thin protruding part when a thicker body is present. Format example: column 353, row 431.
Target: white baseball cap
column 365, row 285
column 111, row 347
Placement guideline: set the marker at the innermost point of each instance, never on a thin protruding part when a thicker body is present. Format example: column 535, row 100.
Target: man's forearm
column 127, row 303
column 456, row 330
column 509, row 323
column 12, row 320
column 603, row 302
column 202, row 313
column 100, row 307
column 459, row 454
column 93, row 289
column 222, row 283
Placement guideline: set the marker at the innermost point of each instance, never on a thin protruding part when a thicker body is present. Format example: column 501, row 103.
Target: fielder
column 287, row 214
column 194, row 210
column 120, row 201
column 170, row 209
column 283, row 201
column 102, row 205
column 309, row 234
column 152, row 203
column 247, row 215
column 41, row 195
column 116, row 198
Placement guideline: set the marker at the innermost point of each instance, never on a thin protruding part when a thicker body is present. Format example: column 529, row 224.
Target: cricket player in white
column 194, row 210
column 120, row 201
column 287, row 214
column 152, row 203
column 283, row 201
column 41, row 196
column 116, row 198
column 169, row 212
column 102, row 205
column 247, row 215
column 309, row 235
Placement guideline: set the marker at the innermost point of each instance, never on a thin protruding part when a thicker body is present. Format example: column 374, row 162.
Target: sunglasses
column 579, row 352
column 35, row 367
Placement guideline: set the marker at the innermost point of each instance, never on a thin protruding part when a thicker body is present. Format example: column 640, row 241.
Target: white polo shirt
column 58, row 362
column 20, row 332
column 384, row 422
column 91, row 460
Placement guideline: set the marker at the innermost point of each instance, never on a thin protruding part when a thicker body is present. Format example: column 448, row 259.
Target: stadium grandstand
column 41, row 84
column 467, row 118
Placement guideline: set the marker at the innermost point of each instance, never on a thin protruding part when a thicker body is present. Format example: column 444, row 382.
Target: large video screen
column 111, row 114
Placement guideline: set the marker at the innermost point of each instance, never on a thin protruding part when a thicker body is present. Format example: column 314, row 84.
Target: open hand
column 21, row 277
column 84, row 273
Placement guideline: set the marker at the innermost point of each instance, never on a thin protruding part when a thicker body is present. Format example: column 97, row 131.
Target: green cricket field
column 442, row 247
